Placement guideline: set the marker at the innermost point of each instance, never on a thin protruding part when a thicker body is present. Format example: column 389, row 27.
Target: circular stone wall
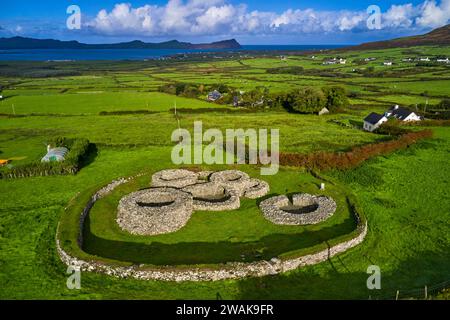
column 209, row 196
column 232, row 180
column 155, row 211
column 305, row 209
column 174, row 178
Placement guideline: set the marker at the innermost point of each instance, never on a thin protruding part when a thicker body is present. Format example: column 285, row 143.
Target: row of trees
column 302, row 100
column 313, row 100
column 190, row 90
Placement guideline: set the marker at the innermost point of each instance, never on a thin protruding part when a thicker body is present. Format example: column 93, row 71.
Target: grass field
column 404, row 195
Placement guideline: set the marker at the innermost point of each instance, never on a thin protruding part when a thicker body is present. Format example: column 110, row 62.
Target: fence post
column 426, row 292
column 397, row 294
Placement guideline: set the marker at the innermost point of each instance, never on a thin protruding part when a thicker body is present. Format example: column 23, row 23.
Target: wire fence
column 417, row 293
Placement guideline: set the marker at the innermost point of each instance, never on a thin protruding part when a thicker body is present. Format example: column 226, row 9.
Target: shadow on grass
column 90, row 156
column 337, row 279
column 186, row 253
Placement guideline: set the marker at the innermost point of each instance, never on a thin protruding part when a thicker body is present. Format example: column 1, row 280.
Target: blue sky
column 249, row 21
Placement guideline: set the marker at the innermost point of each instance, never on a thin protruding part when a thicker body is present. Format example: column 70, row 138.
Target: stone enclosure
column 175, row 194
column 303, row 210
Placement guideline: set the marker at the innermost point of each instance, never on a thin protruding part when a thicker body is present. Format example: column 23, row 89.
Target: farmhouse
column 373, row 121
column 402, row 114
column 387, row 63
column 335, row 61
column 443, row 60
column 214, row 96
column 55, row 154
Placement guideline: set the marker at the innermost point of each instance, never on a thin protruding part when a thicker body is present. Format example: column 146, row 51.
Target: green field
column 404, row 195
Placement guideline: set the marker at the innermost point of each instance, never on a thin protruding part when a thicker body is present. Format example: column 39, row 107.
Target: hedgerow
column 78, row 150
column 354, row 157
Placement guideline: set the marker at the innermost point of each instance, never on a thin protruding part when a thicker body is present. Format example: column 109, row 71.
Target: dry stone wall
column 276, row 210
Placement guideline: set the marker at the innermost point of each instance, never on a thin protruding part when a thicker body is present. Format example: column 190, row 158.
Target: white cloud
column 218, row 17
column 434, row 15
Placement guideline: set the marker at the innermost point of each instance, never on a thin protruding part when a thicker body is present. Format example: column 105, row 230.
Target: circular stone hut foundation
column 209, row 196
column 305, row 209
column 168, row 205
column 177, row 178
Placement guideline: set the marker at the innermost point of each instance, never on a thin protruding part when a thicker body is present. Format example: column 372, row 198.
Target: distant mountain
column 440, row 36
column 29, row 43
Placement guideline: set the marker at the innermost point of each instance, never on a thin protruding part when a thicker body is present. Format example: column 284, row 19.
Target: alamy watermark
column 374, row 280
column 237, row 146
column 74, row 280
column 73, row 22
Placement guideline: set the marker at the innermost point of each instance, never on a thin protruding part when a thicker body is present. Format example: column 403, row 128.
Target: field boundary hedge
column 78, row 150
column 354, row 157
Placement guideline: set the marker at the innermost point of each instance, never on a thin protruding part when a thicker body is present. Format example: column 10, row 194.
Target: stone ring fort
column 174, row 195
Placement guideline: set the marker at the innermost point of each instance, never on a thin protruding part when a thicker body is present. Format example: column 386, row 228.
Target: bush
column 336, row 98
column 296, row 70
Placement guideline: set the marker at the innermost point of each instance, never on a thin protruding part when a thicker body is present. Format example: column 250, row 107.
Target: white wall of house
column 412, row 117
column 372, row 127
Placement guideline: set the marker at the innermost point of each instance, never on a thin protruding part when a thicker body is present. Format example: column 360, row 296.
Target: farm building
column 387, row 63
column 214, row 95
column 402, row 114
column 55, row 154
column 323, row 111
column 373, row 121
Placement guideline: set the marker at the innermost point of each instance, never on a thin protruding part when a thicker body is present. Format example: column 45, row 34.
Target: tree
column 336, row 98
column 306, row 100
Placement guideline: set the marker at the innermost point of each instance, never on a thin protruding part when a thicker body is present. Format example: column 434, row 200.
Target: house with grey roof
column 373, row 121
column 402, row 114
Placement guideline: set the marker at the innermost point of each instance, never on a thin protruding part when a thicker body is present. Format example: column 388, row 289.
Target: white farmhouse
column 443, row 60
column 402, row 114
column 387, row 63
column 373, row 121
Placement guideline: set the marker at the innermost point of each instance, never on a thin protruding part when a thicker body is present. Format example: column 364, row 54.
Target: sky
column 251, row 22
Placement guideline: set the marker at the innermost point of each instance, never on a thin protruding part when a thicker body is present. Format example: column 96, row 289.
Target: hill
column 15, row 43
column 440, row 36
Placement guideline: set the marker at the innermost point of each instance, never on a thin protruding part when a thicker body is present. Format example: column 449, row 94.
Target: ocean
column 135, row 54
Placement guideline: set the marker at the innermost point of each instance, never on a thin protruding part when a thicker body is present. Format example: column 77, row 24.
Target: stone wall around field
column 232, row 270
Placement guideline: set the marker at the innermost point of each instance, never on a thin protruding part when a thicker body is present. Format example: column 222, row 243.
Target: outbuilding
column 55, row 154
